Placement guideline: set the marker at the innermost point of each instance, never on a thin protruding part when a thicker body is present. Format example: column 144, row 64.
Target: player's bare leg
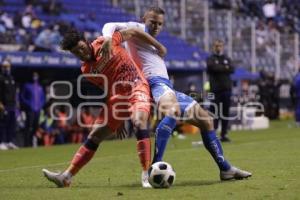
column 140, row 123
column 83, row 155
column 168, row 105
column 197, row 116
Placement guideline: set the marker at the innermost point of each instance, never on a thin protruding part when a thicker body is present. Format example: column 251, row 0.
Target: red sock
column 81, row 158
column 144, row 152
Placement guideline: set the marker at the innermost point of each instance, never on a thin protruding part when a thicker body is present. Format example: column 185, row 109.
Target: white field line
column 92, row 161
column 116, row 156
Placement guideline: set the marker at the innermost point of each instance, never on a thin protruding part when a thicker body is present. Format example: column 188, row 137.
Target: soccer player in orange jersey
column 128, row 97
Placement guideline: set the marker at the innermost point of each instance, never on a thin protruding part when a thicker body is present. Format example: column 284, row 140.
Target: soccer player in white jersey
column 165, row 96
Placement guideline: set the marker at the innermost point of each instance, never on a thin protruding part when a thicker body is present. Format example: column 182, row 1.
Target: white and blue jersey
column 143, row 54
column 153, row 66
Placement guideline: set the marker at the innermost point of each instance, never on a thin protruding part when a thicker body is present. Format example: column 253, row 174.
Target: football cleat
column 234, row 173
column 3, row 146
column 144, row 178
column 60, row 179
column 11, row 145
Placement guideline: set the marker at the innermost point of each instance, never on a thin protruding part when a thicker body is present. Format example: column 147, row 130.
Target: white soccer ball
column 161, row 175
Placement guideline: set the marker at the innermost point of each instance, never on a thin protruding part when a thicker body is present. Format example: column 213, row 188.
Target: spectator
column 7, row 20
column 7, row 108
column 219, row 68
column 269, row 10
column 43, row 41
column 26, row 20
column 33, row 100
column 261, row 35
column 48, row 39
column 29, row 9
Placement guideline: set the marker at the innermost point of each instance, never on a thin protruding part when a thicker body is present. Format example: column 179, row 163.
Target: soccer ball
column 161, row 175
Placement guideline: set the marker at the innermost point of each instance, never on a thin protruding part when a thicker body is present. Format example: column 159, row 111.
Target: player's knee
column 171, row 110
column 208, row 123
column 140, row 121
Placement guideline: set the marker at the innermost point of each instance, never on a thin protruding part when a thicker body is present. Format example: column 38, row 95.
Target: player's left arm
column 145, row 37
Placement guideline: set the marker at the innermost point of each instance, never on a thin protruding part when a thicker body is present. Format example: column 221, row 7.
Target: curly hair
column 70, row 39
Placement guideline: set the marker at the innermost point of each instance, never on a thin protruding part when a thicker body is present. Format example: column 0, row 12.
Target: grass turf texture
column 272, row 155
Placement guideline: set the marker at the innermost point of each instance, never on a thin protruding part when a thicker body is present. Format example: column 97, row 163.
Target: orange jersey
column 121, row 72
column 127, row 89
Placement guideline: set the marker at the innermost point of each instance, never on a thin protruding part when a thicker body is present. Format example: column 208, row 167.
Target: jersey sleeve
column 137, row 25
column 109, row 28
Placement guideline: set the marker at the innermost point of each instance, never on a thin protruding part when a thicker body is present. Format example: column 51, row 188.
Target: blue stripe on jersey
column 159, row 80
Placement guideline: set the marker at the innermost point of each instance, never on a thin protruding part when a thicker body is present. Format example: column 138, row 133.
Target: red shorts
column 120, row 108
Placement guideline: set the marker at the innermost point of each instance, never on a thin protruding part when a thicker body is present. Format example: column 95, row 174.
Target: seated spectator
column 48, row 39
column 26, row 20
column 7, row 20
column 269, row 10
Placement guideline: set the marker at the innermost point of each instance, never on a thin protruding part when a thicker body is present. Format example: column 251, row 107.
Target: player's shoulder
column 132, row 24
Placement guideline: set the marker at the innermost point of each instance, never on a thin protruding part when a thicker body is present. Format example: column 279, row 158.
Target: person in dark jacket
column 33, row 99
column 219, row 68
column 7, row 107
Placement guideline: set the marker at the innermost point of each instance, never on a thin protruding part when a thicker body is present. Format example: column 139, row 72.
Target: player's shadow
column 180, row 184
column 196, row 183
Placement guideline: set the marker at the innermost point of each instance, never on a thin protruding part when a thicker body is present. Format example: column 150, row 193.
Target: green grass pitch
column 273, row 156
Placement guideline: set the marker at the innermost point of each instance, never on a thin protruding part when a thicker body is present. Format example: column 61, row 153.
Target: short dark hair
column 70, row 39
column 218, row 41
column 156, row 9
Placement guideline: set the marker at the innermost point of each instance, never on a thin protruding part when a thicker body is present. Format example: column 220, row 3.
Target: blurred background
column 260, row 37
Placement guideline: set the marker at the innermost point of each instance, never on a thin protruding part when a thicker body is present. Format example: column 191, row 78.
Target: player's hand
column 106, row 49
column 162, row 51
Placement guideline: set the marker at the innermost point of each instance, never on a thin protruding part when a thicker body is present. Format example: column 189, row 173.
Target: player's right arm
column 128, row 30
column 127, row 34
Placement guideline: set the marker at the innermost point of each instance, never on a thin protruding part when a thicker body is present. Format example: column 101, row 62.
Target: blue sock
column 213, row 145
column 163, row 132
